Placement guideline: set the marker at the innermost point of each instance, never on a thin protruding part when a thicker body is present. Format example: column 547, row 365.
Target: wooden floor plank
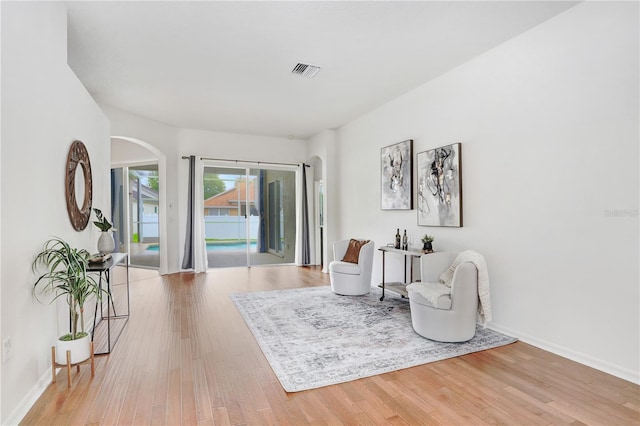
column 201, row 392
column 187, row 357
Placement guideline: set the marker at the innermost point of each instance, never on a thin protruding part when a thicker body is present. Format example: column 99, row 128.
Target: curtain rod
column 184, row 157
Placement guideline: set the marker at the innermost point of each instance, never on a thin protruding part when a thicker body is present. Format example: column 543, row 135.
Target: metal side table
column 398, row 287
column 117, row 304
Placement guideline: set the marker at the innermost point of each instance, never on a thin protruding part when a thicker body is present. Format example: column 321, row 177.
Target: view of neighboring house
column 232, row 202
column 144, row 212
column 147, row 197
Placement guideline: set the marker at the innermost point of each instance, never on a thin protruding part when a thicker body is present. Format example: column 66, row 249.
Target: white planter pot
column 106, row 243
column 80, row 350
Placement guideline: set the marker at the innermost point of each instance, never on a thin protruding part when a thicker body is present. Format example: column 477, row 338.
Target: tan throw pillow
column 353, row 251
column 447, row 276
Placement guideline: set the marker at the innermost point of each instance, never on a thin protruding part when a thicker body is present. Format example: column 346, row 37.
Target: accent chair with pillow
column 445, row 305
column 350, row 270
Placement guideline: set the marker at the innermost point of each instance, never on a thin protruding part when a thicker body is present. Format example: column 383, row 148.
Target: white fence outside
column 231, row 227
column 150, row 226
column 218, row 227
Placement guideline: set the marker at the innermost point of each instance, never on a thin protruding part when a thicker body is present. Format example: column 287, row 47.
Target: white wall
column 323, row 147
column 44, row 109
column 161, row 140
column 126, row 153
column 232, row 146
column 235, row 146
column 549, row 129
column 174, row 143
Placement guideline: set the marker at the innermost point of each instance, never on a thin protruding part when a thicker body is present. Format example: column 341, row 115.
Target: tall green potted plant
column 65, row 275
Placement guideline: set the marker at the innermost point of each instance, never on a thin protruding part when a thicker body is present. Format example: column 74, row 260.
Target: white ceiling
column 226, row 66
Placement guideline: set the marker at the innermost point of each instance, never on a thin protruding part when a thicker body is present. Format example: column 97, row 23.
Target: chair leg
column 68, row 369
column 93, row 368
column 53, row 364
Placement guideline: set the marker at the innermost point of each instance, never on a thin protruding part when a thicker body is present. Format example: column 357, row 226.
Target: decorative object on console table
column 397, row 238
column 396, row 190
column 105, row 242
column 440, row 186
column 405, row 239
column 66, row 276
column 427, row 247
column 99, row 258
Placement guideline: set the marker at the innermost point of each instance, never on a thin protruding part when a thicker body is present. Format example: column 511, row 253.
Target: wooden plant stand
column 68, row 365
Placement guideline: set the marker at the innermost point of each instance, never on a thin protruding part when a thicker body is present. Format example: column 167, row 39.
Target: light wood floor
column 186, row 357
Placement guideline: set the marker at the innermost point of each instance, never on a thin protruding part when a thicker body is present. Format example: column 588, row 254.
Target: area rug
column 314, row 338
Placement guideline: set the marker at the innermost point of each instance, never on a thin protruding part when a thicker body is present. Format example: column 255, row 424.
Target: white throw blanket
column 430, row 291
column 484, row 307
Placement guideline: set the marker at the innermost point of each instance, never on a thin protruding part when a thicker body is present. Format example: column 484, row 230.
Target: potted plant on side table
column 427, row 247
column 65, row 275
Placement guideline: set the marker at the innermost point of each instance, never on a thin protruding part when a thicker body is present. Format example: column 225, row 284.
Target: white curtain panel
column 298, row 254
column 300, row 210
column 201, row 262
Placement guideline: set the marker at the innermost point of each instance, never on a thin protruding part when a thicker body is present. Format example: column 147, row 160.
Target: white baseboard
column 598, row 364
column 29, row 400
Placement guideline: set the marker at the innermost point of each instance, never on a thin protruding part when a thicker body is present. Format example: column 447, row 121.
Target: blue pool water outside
column 217, row 247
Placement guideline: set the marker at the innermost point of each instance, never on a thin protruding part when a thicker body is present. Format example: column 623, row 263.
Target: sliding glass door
column 275, row 200
column 249, row 216
column 276, row 217
column 135, row 205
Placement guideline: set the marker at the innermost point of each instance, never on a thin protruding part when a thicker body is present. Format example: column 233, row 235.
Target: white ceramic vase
column 106, row 243
column 80, row 350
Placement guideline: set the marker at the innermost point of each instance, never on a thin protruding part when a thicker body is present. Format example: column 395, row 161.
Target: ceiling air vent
column 305, row 70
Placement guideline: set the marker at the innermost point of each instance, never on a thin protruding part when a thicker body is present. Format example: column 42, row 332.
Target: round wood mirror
column 78, row 157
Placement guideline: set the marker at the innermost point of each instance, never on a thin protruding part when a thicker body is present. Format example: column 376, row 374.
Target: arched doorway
column 138, row 201
column 319, row 212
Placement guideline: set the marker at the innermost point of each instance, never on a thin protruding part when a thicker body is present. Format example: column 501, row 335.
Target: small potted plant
column 105, row 242
column 426, row 241
column 65, row 275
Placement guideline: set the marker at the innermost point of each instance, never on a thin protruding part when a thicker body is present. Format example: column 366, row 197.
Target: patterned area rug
column 314, row 338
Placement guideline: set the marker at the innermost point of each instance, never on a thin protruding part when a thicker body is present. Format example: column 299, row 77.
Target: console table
column 398, row 287
column 115, row 297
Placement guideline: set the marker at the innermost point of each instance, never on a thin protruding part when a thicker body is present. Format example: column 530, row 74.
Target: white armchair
column 439, row 312
column 347, row 278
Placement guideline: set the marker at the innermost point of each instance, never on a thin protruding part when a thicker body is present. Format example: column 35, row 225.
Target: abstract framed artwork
column 396, row 190
column 440, row 186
